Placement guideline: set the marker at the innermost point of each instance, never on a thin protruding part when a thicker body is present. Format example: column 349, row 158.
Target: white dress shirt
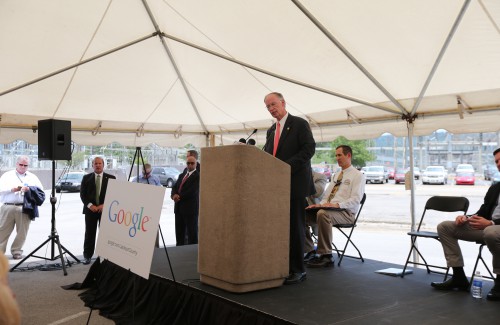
column 350, row 192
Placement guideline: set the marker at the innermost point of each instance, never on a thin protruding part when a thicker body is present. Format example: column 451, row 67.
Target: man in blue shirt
column 147, row 177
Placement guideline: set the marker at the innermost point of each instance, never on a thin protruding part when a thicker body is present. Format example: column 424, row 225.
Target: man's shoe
column 86, row 261
column 309, row 256
column 295, row 278
column 494, row 294
column 321, row 261
column 451, row 284
column 17, row 256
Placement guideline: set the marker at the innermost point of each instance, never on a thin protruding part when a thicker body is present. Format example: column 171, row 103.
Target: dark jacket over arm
column 490, row 202
column 32, row 200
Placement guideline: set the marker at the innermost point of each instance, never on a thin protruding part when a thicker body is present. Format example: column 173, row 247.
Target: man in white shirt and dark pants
column 344, row 192
column 13, row 185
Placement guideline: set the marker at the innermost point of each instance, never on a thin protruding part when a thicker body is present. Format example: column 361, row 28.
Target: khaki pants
column 11, row 215
column 324, row 219
column 450, row 233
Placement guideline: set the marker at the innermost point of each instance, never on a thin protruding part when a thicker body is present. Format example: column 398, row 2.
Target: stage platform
column 350, row 294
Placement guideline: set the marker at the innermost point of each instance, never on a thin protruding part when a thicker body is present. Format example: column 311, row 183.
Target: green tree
column 77, row 159
column 360, row 155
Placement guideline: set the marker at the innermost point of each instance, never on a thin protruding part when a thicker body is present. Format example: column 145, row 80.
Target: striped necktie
column 336, row 186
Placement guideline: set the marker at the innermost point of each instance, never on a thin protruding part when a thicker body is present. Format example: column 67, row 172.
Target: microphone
column 251, row 142
column 254, row 131
column 243, row 141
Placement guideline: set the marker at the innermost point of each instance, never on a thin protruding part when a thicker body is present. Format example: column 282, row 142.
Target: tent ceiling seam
column 272, row 74
column 358, row 64
column 490, row 17
column 446, row 43
column 98, row 56
column 223, row 130
column 70, row 82
column 174, row 64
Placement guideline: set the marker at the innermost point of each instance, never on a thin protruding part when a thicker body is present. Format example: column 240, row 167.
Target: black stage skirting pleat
column 128, row 298
column 350, row 294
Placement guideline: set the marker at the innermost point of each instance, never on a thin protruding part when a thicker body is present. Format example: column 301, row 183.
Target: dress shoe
column 17, row 256
column 309, row 256
column 494, row 294
column 452, row 284
column 295, row 278
column 86, row 261
column 321, row 261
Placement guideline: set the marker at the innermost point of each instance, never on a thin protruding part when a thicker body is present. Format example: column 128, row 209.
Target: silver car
column 167, row 175
column 376, row 174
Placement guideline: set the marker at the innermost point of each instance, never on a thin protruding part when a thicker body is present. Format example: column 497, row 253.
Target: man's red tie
column 276, row 138
column 183, row 181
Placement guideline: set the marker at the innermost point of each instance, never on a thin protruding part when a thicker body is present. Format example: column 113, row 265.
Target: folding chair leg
column 480, row 258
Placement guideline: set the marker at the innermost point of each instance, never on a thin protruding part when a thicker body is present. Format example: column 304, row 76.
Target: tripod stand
column 54, row 237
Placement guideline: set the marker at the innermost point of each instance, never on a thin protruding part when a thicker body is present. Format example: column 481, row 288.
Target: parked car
column 435, row 175
column 464, row 168
column 168, row 175
column 376, row 174
column 325, row 170
column 465, row 178
column 416, row 172
column 495, row 178
column 399, row 176
column 70, row 182
column 489, row 171
column 391, row 172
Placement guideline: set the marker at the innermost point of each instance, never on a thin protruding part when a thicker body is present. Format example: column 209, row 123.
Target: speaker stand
column 53, row 237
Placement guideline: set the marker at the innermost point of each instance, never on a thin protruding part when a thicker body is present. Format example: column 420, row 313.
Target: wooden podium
column 244, row 219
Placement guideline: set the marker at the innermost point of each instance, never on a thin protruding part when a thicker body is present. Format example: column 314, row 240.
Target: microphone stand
column 254, row 131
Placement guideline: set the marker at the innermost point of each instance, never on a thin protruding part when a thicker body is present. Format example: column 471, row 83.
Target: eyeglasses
column 23, row 165
column 190, row 163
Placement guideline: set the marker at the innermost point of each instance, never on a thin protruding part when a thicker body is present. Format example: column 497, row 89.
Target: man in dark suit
column 484, row 225
column 92, row 193
column 290, row 139
column 186, row 193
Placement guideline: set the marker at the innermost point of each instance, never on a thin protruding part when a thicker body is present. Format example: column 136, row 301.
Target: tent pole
column 410, row 125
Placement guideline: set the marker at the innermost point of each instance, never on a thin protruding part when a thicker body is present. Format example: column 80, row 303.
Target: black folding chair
column 351, row 226
column 437, row 203
column 480, row 258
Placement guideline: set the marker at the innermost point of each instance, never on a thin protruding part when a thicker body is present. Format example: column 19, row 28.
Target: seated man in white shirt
column 344, row 192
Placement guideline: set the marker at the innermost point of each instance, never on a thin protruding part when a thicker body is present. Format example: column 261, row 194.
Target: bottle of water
column 477, row 286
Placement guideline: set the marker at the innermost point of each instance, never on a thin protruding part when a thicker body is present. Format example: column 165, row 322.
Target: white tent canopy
column 173, row 72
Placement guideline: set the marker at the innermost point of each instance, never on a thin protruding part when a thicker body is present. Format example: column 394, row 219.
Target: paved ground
column 381, row 235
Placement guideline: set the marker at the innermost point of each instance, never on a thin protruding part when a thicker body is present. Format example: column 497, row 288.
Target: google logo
column 136, row 220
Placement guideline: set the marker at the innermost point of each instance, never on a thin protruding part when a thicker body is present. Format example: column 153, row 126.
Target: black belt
column 13, row 203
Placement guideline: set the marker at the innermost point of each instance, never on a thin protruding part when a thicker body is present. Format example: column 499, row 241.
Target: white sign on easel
column 129, row 224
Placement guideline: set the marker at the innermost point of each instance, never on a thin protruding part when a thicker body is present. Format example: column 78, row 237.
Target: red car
column 465, row 178
column 391, row 172
column 399, row 176
column 325, row 170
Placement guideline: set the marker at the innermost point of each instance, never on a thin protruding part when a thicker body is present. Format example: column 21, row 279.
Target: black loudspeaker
column 54, row 140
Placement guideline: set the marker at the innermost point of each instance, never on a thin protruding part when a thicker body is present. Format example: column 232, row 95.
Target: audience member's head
column 9, row 310
column 193, row 153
